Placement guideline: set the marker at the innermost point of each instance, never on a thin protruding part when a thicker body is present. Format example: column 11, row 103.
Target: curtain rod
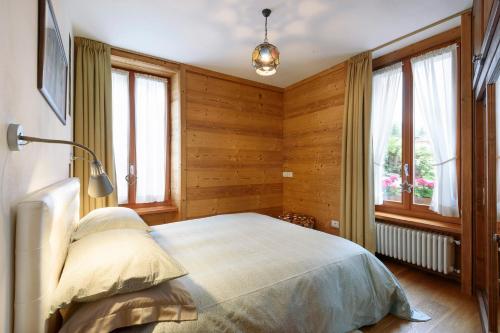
column 421, row 29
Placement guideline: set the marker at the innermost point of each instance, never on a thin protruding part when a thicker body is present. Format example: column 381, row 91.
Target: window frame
column 407, row 207
column 132, row 188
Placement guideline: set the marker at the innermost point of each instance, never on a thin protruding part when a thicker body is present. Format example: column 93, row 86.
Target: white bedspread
column 252, row 273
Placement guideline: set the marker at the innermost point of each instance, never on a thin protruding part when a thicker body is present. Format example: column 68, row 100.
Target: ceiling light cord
column 265, row 37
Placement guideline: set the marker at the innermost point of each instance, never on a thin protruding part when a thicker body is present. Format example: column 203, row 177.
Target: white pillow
column 102, row 219
column 112, row 262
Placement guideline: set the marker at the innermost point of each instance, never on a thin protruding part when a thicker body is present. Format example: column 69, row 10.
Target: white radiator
column 425, row 249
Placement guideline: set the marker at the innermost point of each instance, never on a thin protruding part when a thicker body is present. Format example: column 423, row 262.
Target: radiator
column 426, row 249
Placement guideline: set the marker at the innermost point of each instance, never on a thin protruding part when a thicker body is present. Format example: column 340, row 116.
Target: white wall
column 38, row 165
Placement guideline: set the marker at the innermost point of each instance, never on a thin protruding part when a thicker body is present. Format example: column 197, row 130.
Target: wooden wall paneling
column 312, row 134
column 234, row 132
column 230, row 78
column 466, row 141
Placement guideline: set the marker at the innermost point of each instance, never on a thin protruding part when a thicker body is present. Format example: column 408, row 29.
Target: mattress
column 253, row 273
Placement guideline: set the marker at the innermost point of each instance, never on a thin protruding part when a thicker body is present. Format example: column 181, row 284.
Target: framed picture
column 52, row 63
column 70, row 76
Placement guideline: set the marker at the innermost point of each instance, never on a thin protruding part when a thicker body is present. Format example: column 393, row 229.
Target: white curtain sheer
column 435, row 98
column 151, row 136
column 387, row 97
column 121, row 115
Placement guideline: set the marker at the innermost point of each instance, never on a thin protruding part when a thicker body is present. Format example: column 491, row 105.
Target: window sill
column 160, row 209
column 446, row 227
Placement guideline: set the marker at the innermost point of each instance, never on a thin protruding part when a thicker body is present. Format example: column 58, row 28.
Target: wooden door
column 486, row 85
column 486, row 209
column 491, row 207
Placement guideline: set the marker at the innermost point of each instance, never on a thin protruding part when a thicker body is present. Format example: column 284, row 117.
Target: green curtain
column 92, row 117
column 357, row 209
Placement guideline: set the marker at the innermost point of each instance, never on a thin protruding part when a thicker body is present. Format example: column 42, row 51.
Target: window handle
column 405, row 186
column 131, row 178
column 477, row 58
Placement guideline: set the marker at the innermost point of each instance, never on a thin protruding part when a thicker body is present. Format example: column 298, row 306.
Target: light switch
column 287, row 174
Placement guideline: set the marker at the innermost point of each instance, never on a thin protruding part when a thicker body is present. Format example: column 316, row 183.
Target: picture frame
column 70, row 76
column 52, row 73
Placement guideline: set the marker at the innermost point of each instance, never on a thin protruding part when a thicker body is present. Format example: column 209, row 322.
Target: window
column 140, row 137
column 415, row 136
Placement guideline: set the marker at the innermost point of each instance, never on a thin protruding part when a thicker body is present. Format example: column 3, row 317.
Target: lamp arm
column 99, row 183
column 64, row 142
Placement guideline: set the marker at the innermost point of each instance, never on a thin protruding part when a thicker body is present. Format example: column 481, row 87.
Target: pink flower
column 424, row 182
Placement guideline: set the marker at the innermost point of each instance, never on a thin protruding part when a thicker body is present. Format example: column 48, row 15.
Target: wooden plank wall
column 312, row 132
column 233, row 146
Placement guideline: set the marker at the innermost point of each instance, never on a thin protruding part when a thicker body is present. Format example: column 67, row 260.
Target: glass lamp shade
column 99, row 183
column 265, row 59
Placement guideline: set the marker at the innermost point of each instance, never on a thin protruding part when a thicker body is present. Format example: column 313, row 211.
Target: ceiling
column 220, row 35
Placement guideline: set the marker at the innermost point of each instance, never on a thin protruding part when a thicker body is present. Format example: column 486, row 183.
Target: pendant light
column 266, row 57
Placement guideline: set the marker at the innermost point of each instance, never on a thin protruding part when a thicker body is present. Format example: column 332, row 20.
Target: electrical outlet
column 335, row 224
column 287, row 174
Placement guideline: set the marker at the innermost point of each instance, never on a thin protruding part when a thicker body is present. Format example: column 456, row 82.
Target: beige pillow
column 108, row 218
column 112, row 262
column 169, row 301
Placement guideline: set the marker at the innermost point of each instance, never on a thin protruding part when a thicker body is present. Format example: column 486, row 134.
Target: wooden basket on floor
column 303, row 220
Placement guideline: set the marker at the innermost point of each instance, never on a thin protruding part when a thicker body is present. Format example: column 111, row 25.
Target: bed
column 247, row 272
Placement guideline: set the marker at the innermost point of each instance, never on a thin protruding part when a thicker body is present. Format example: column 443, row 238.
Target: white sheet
column 252, row 273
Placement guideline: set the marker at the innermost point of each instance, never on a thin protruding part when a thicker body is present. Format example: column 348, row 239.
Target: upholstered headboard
column 45, row 220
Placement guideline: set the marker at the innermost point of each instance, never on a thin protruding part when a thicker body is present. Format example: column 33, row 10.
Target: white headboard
column 45, row 220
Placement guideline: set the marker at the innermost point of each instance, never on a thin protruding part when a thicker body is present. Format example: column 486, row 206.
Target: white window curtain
column 151, row 137
column 435, row 98
column 387, row 92
column 121, row 115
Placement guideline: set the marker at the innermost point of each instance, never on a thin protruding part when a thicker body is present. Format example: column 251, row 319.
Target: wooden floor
column 451, row 311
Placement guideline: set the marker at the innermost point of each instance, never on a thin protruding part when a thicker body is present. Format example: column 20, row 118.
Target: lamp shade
column 265, row 59
column 99, row 183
